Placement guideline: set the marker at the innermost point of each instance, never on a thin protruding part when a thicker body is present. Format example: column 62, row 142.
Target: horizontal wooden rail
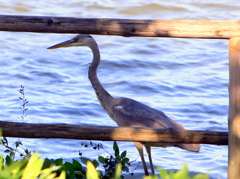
column 215, row 29
column 86, row 132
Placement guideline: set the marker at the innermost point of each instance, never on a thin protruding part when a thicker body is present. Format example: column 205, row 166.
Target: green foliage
column 91, row 171
column 74, row 170
column 55, row 169
column 181, row 174
column 110, row 163
column 13, row 150
column 78, row 170
column 27, row 169
column 118, row 171
column 87, row 169
column 93, row 174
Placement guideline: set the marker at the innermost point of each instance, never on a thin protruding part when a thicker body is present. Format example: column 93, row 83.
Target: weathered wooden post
column 234, row 109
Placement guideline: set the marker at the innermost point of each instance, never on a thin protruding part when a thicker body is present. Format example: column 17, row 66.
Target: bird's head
column 78, row 40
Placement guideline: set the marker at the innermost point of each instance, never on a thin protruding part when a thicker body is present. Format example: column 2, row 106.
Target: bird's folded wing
column 136, row 114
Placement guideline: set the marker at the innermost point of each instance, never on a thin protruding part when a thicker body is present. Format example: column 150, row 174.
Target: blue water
column 185, row 78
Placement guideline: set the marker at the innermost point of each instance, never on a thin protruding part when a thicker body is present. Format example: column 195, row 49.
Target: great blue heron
column 125, row 111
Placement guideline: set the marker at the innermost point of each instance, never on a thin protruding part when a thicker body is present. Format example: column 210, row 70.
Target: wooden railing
column 210, row 29
column 105, row 133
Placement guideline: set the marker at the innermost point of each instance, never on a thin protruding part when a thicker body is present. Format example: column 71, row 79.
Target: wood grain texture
column 214, row 29
column 103, row 133
column 234, row 109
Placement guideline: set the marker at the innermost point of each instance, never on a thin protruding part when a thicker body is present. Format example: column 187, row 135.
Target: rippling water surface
column 186, row 78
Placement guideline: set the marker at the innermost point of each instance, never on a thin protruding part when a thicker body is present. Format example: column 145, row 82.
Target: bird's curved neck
column 103, row 96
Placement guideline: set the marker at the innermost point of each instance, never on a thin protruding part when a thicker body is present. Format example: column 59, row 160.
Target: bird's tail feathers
column 190, row 147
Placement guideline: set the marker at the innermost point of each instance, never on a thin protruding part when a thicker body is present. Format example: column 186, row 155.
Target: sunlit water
column 185, row 78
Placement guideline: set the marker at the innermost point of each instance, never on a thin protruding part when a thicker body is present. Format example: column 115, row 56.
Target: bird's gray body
column 128, row 112
column 140, row 115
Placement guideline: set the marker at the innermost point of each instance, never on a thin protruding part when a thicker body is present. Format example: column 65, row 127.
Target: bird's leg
column 148, row 148
column 139, row 146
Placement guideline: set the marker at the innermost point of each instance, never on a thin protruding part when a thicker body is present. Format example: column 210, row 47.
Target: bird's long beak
column 62, row 44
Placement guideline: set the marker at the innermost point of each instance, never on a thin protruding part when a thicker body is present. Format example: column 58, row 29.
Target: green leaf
column 47, row 163
column 12, row 154
column 33, row 167
column 68, row 166
column 95, row 163
column 115, row 147
column 91, row 171
column 184, row 173
column 58, row 161
column 123, row 154
column 84, row 160
column 14, row 170
column 200, row 176
column 1, row 163
column 77, row 165
column 62, row 175
column 7, row 151
column 155, row 177
column 17, row 144
column 101, row 159
column 47, row 173
column 5, row 140
column 163, row 173
column 118, row 171
column 125, row 169
column 8, row 160
column 125, row 160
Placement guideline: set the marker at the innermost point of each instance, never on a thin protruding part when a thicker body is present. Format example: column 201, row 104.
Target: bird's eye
column 74, row 40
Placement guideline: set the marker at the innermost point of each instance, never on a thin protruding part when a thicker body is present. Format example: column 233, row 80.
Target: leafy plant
column 110, row 163
column 93, row 174
column 25, row 169
column 24, row 103
column 181, row 174
column 78, row 169
column 12, row 150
